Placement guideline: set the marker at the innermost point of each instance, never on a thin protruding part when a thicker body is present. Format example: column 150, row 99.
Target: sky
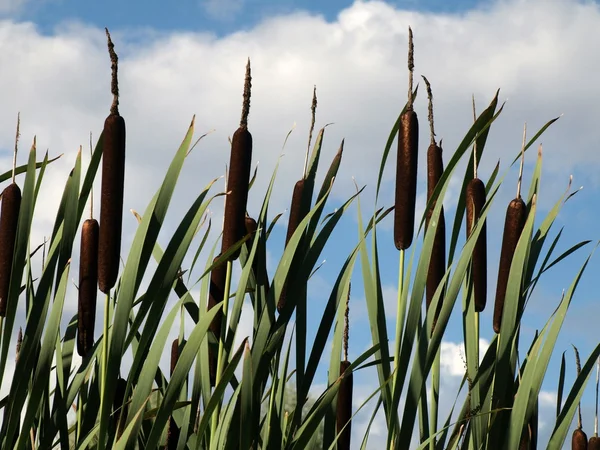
column 185, row 58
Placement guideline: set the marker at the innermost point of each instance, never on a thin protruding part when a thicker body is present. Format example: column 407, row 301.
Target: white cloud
column 222, row 9
column 60, row 83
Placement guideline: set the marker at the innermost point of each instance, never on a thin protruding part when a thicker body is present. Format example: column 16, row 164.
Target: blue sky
column 188, row 57
column 217, row 16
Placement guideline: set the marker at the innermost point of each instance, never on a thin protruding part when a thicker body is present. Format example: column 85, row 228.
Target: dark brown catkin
column 216, row 292
column 594, row 443
column 88, row 286
column 475, row 199
column 172, row 430
column 113, row 181
column 406, row 179
column 344, row 407
column 516, row 215
column 437, row 264
column 297, row 214
column 240, row 161
column 579, row 440
column 9, row 218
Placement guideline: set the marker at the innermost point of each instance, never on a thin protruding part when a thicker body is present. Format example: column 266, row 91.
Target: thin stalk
column 104, row 354
column 435, row 396
column 220, row 357
column 400, row 312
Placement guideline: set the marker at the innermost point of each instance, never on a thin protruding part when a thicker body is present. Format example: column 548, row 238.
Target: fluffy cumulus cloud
column 537, row 52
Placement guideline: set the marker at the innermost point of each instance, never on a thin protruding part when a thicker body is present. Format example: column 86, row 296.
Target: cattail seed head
column 297, row 213
column 579, row 440
column 516, row 215
column 437, row 264
column 174, row 355
column 344, row 408
column 234, row 225
column 475, row 199
column 111, row 203
column 594, row 443
column 88, row 286
column 406, row 179
column 9, row 218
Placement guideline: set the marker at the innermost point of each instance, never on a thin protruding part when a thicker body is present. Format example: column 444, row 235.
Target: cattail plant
column 234, row 225
column 579, row 440
column 113, row 179
column 9, row 218
column 475, row 199
column 406, row 165
column 344, row 397
column 516, row 215
column 298, row 208
column 216, row 291
column 88, row 282
column 435, row 169
column 172, row 430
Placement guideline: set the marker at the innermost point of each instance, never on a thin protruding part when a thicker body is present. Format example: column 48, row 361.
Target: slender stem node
column 522, row 161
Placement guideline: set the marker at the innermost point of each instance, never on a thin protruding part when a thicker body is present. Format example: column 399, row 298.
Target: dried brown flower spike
column 475, row 199
column 113, row 179
column 435, row 169
column 9, row 218
column 406, row 165
column 516, row 215
column 88, row 286
column 234, row 226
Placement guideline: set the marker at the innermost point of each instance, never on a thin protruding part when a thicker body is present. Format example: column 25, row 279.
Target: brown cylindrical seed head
column 111, row 202
column 344, row 408
column 579, row 440
column 406, row 180
column 174, row 355
column 297, row 214
column 9, row 218
column 88, row 286
column 216, row 292
column 437, row 264
column 234, row 225
column 475, row 201
column 594, row 443
column 516, row 215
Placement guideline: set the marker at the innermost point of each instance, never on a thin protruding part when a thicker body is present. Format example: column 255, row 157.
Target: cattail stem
column 92, row 186
column 522, row 161
column 597, row 385
column 247, row 93
column 347, row 324
column 430, row 111
column 220, row 358
column 313, row 110
column 14, row 166
column 411, row 67
column 114, row 67
column 400, row 311
column 475, row 142
column 105, row 347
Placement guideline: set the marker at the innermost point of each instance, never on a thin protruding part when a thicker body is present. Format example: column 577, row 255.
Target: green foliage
column 259, row 401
